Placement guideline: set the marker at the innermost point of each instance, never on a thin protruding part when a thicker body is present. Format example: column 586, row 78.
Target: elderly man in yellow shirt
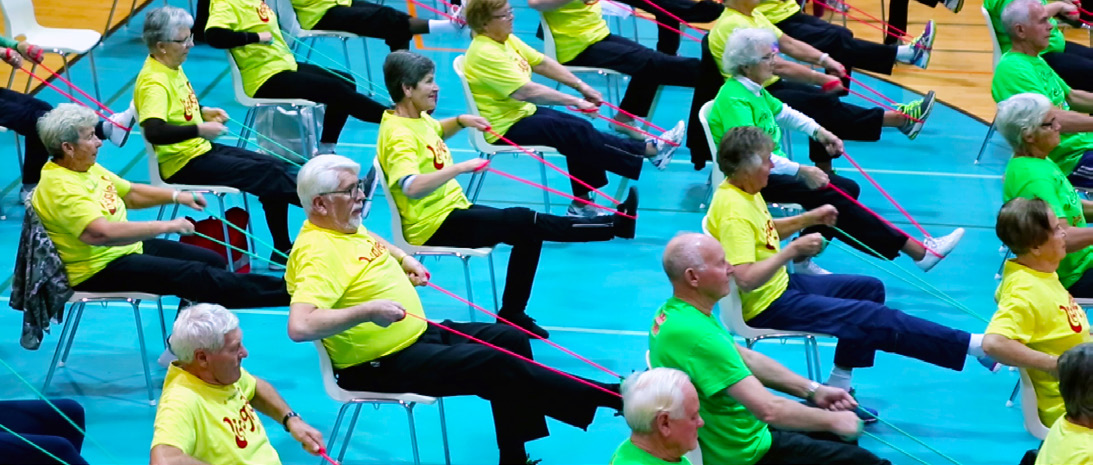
column 1070, row 441
column 421, row 174
column 1037, row 319
column 84, row 208
column 498, row 69
column 355, row 292
column 583, row 39
column 206, row 412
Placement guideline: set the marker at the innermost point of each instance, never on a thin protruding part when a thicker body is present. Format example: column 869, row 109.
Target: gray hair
column 201, row 327
column 403, row 68
column 746, row 47
column 1017, row 12
column 1076, row 381
column 682, row 253
column 63, row 124
column 320, row 174
column 1020, row 115
column 648, row 394
column 161, row 24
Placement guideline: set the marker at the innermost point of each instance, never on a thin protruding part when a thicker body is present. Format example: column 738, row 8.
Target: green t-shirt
column 995, row 8
column 1019, row 73
column 629, row 454
column 684, row 338
column 736, row 105
column 1034, row 178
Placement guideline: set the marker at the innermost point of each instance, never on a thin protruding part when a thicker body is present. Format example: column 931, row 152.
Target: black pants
column 648, row 69
column 523, row 229
column 840, row 43
column 589, row 153
column 369, row 20
column 443, row 364
column 849, row 122
column 268, row 178
column 38, row 422
column 709, row 83
column 793, row 448
column 1074, row 65
column 313, row 83
column 853, row 219
column 897, row 17
column 190, row 272
column 702, row 11
column 20, row 112
column 1083, row 287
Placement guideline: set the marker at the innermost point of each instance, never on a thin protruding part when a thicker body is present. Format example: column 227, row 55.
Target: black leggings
column 897, row 18
column 1074, row 64
column 369, row 20
column 319, row 85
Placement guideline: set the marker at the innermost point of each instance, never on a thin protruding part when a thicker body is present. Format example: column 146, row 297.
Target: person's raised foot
column 923, row 45
column 625, row 131
column 938, row 248
column 808, row 267
column 119, row 126
column 954, row 5
column 666, row 145
column 625, row 227
column 916, row 113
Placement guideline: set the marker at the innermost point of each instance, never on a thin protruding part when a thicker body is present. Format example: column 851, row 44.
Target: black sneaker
column 626, row 228
column 524, row 321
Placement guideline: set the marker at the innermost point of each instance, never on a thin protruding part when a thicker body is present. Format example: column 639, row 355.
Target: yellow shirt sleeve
column 737, row 237
column 151, row 99
column 502, row 74
column 222, row 14
column 1014, row 318
column 314, row 281
column 174, row 424
column 530, row 54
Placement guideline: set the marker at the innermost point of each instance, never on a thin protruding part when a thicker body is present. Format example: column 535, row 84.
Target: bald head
column 690, row 250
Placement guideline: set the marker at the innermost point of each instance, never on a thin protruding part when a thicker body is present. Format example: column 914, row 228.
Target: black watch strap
column 284, row 421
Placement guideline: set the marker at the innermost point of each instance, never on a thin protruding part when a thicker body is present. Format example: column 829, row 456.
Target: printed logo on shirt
column 189, row 103
column 246, row 423
column 1074, row 314
column 521, row 63
column 110, row 197
column 377, row 251
column 771, row 234
column 659, row 320
column 441, row 155
column 264, row 12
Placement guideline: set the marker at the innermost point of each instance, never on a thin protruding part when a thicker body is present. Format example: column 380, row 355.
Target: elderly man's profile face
column 715, row 276
column 683, row 432
column 343, row 206
column 1038, row 28
column 224, row 365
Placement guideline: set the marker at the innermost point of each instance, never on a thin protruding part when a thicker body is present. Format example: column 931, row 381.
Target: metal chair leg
column 546, row 195
column 493, row 283
column 349, row 433
column 470, row 287
column 330, row 441
column 250, row 222
column 986, row 141
column 413, row 432
column 72, row 334
column 1013, row 395
column 162, row 324
column 143, row 352
column 444, row 432
column 808, row 358
column 94, row 73
column 224, row 226
column 61, row 342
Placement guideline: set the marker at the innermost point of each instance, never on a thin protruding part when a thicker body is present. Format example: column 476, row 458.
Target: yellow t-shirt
column 1067, row 444
column 409, row 146
column 309, row 12
column 333, row 270
column 68, row 201
column 778, row 10
column 742, row 224
column 494, row 71
column 213, row 424
column 1035, row 309
column 729, row 21
column 575, row 26
column 257, row 62
column 166, row 94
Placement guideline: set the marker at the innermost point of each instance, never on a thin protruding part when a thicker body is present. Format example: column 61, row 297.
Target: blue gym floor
column 596, row 299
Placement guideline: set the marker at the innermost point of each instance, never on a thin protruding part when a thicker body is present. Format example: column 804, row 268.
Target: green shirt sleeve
column 714, row 364
column 1044, row 190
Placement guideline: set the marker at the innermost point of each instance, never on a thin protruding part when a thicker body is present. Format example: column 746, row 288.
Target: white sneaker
column 808, row 267
column 584, row 210
column 942, row 245
column 664, row 149
column 126, row 119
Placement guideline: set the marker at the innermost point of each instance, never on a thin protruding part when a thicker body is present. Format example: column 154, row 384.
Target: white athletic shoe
column 664, row 149
column 808, row 267
column 942, row 246
column 116, row 135
column 584, row 210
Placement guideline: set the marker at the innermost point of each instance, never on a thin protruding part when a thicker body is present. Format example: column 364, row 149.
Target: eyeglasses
column 506, row 15
column 1049, row 124
column 352, row 191
column 769, row 57
column 188, row 40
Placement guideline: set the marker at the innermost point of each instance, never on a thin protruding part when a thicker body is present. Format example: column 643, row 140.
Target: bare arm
column 163, row 454
column 425, row 184
column 144, row 196
column 788, row 414
column 102, row 232
column 772, row 374
column 1080, row 100
column 1087, row 208
column 268, row 401
column 749, row 276
column 307, row 322
column 547, row 5
column 1014, row 353
column 1077, row 238
column 1072, row 121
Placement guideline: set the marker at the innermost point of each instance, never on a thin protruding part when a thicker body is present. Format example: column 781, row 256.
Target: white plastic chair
column 19, row 20
column 1028, row 408
column 997, row 55
column 611, row 76
column 155, row 179
column 78, row 302
column 464, row 254
column 253, row 103
column 357, row 399
column 488, row 150
column 289, row 23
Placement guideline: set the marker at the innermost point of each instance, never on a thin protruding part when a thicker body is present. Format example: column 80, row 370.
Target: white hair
column 746, row 47
column 1017, row 12
column 63, row 124
column 647, row 394
column 320, row 174
column 161, row 25
column 201, row 327
column 1019, row 115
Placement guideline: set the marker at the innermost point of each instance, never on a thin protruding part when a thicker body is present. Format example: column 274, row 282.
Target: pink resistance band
column 597, row 114
column 551, row 165
column 74, row 99
column 66, row 81
column 885, row 29
column 885, row 221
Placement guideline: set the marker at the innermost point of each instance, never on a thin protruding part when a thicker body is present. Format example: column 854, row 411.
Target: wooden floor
column 959, row 72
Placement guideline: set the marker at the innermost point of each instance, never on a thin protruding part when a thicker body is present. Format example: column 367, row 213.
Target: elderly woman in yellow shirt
column 1037, row 319
column 498, row 69
column 181, row 130
column 1070, row 440
column 250, row 30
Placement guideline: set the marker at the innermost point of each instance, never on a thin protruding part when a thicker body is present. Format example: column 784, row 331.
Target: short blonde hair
column 63, row 124
column 480, row 12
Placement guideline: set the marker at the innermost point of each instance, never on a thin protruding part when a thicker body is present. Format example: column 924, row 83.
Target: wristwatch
column 290, row 414
column 812, row 388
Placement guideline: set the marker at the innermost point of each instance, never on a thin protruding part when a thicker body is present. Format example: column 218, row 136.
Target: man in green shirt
column 1072, row 61
column 1022, row 70
column 745, row 423
column 661, row 408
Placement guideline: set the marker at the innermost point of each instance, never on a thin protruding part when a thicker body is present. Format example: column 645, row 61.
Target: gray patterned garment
column 39, row 284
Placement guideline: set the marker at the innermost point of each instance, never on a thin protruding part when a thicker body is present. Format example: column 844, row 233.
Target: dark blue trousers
column 37, row 422
column 851, row 308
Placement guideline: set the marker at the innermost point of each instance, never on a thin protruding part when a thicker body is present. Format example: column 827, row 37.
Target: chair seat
column 363, row 396
column 63, row 40
column 440, row 250
column 91, row 296
column 600, row 71
column 501, row 147
column 215, row 190
column 309, row 33
column 254, row 102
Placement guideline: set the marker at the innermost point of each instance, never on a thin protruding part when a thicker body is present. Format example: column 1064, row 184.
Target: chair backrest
column 1028, row 408
column 478, row 141
column 286, row 17
column 994, row 36
column 154, row 177
column 326, row 370
column 397, row 237
column 18, row 17
column 732, row 312
column 237, row 82
column 704, row 118
column 695, row 456
column 549, row 48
